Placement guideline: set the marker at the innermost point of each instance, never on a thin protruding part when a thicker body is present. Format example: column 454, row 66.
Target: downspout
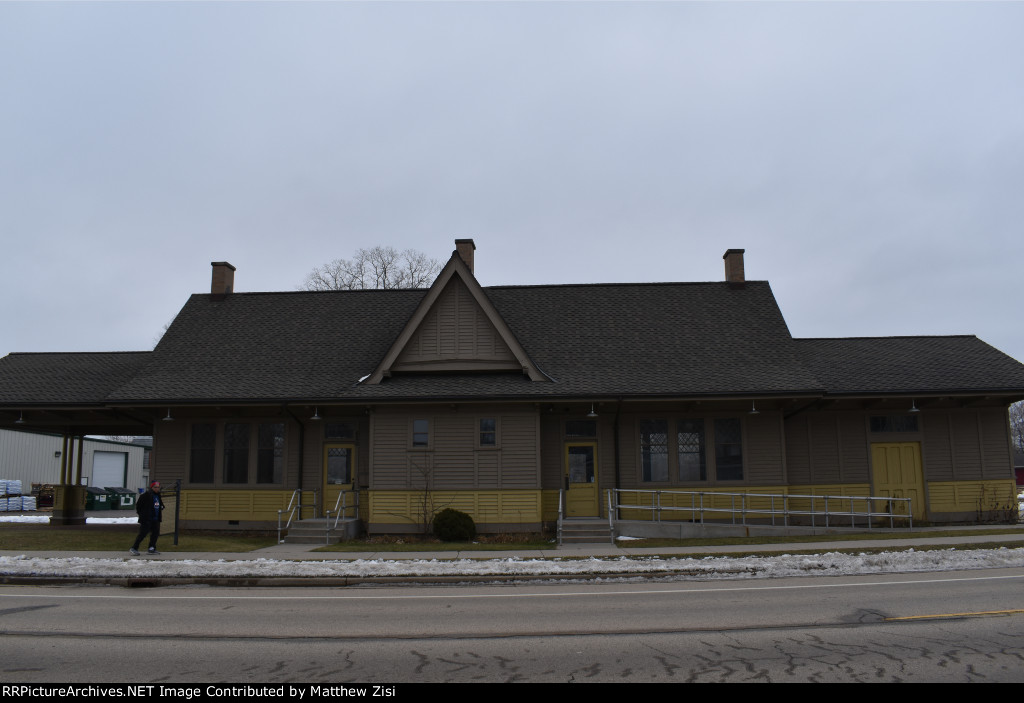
column 615, row 426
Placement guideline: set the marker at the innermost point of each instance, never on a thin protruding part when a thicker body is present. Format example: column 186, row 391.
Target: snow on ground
column 724, row 567
column 783, row 565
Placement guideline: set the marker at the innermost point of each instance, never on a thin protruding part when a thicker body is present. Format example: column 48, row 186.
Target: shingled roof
column 690, row 339
column 954, row 364
column 667, row 340
column 84, row 378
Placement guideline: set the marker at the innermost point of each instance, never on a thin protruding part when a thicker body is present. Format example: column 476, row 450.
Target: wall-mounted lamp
column 316, row 414
column 913, row 406
column 168, row 418
column 753, row 408
column 21, row 418
column 56, row 454
column 592, row 414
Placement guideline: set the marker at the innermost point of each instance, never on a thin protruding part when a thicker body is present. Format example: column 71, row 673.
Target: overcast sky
column 868, row 156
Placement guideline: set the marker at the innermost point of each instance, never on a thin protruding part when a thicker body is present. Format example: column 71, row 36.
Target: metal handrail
column 786, row 511
column 339, row 513
column 295, row 504
column 611, row 519
column 561, row 493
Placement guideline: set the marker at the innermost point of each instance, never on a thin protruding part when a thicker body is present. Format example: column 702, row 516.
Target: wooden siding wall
column 169, row 451
column 292, row 450
column 453, row 461
column 996, row 456
column 967, row 444
column 823, row 435
column 827, row 447
column 455, row 328
column 763, row 456
column 956, row 445
column 551, row 448
column 854, row 450
column 798, row 449
column 936, row 438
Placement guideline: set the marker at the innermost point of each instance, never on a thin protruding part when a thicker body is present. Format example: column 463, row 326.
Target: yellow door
column 896, row 472
column 339, row 472
column 581, row 498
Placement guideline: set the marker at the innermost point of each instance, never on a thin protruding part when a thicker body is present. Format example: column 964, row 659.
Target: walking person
column 150, row 508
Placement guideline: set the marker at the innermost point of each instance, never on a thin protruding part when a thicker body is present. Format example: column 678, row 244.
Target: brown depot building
column 521, row 404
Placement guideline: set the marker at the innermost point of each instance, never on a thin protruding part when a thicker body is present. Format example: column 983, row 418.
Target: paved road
column 954, row 626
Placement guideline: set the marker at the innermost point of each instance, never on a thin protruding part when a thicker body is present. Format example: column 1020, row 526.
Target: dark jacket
column 146, row 507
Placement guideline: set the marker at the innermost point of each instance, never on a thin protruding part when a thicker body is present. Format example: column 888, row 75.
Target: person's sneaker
column 152, row 551
column 134, row 552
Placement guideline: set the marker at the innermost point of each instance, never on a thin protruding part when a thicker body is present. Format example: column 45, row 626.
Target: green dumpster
column 96, row 498
column 121, row 498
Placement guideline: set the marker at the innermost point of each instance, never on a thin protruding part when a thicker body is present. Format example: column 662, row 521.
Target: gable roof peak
column 488, row 343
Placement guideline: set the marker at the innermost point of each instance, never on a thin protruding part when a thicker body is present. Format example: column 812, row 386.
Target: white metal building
column 35, row 458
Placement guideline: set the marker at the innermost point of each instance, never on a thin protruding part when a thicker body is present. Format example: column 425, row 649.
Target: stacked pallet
column 11, row 498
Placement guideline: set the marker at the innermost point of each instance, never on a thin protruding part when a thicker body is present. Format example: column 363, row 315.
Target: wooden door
column 896, row 473
column 582, row 496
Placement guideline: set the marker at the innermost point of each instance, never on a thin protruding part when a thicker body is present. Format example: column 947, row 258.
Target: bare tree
column 379, row 267
column 1017, row 425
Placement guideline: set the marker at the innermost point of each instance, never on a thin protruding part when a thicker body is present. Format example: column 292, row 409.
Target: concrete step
column 314, row 531
column 586, row 531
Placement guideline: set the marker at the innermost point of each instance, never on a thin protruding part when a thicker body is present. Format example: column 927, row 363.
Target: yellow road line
column 957, row 615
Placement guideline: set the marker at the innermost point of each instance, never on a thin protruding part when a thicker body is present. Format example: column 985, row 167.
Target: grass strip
column 78, row 539
column 653, row 543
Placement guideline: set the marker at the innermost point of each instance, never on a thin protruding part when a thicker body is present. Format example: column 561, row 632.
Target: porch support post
column 69, row 498
column 63, row 460
column 81, row 453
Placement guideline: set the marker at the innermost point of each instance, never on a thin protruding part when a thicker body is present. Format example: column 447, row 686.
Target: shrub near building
column 454, row 526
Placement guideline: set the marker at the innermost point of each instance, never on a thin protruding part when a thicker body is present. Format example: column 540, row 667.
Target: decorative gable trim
column 400, row 356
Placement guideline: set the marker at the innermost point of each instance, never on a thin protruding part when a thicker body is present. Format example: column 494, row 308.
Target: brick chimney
column 734, row 266
column 223, row 281
column 465, row 248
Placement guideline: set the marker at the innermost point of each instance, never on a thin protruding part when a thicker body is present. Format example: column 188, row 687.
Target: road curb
column 326, row 581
